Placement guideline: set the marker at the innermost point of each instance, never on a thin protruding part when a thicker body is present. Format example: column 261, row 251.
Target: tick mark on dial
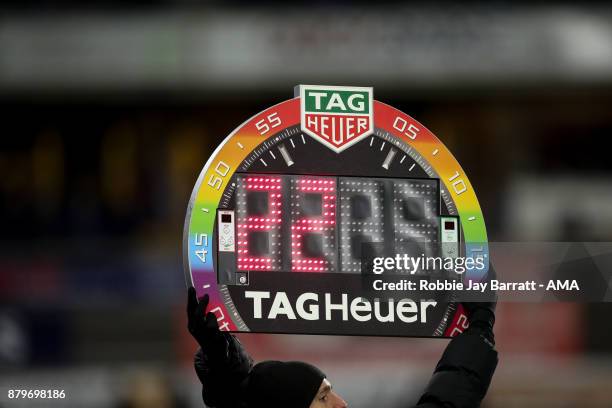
column 303, row 140
column 389, row 158
column 283, row 151
column 240, row 145
column 382, row 146
column 264, row 162
column 435, row 152
column 403, row 158
column 292, row 144
column 272, row 154
column 411, row 167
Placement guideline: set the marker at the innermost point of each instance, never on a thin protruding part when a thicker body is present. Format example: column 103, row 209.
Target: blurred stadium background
column 110, row 109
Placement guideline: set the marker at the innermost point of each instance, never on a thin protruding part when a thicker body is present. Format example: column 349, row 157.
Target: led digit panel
column 296, row 201
column 313, row 224
column 416, row 218
column 362, row 219
column 258, row 218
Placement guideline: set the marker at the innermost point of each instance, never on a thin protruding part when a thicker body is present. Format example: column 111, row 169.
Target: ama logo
column 337, row 116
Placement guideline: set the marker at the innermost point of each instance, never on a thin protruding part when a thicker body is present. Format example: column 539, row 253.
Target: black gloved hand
column 481, row 314
column 221, row 363
column 203, row 326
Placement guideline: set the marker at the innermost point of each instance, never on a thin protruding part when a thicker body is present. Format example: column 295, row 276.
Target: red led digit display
column 259, row 203
column 292, row 223
column 313, row 219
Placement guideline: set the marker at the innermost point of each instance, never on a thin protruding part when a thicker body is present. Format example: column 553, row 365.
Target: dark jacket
column 460, row 380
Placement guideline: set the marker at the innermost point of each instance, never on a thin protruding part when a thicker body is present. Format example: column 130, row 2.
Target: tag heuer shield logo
column 337, row 116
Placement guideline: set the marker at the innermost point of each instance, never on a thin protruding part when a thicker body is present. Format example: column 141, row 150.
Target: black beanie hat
column 290, row 384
